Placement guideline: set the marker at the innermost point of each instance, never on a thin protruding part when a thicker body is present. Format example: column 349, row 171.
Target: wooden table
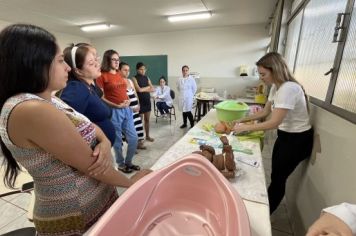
column 250, row 185
column 203, row 106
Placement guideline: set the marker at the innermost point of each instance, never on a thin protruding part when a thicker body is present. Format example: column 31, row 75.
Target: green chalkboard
column 156, row 66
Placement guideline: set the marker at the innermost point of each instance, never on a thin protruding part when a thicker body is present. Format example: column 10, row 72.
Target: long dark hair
column 26, row 54
column 106, row 63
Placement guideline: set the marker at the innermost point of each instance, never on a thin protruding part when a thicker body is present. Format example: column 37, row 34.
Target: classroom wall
column 216, row 53
column 63, row 39
column 327, row 179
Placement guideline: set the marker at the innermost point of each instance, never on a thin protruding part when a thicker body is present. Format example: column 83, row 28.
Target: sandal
column 141, row 146
column 124, row 168
column 134, row 167
column 150, row 139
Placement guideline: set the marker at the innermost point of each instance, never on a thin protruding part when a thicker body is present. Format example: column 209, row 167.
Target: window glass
column 292, row 40
column 316, row 53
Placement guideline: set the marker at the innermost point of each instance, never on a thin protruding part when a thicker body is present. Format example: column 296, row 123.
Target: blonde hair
column 275, row 63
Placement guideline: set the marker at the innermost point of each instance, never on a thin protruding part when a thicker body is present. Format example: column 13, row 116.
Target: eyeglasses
column 115, row 59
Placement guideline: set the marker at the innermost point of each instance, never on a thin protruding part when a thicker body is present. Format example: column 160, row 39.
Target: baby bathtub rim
column 181, row 162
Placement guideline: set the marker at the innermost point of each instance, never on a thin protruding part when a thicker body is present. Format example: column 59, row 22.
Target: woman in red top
column 114, row 87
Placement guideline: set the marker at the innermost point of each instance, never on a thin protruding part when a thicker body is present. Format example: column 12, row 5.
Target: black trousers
column 288, row 151
column 189, row 115
column 163, row 108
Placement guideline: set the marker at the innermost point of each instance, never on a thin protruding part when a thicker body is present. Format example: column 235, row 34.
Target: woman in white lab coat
column 187, row 88
column 163, row 97
column 335, row 220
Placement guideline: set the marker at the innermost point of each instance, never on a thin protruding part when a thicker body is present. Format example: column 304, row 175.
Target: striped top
column 67, row 201
column 136, row 116
column 132, row 97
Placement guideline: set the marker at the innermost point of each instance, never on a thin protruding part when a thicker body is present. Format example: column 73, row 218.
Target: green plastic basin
column 230, row 110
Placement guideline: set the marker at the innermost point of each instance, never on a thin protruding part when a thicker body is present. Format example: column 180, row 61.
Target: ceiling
column 131, row 17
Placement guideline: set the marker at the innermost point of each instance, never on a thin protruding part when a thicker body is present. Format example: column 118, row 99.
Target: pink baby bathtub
column 189, row 197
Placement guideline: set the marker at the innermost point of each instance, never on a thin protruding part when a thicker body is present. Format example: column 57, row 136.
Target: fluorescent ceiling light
column 96, row 27
column 190, row 16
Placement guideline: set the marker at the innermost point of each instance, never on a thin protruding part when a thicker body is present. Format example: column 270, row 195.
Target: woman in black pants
column 187, row 88
column 288, row 106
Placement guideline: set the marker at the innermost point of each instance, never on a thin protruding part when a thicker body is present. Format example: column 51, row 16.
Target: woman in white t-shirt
column 288, row 106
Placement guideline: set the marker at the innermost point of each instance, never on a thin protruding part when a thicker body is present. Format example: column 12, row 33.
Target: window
column 325, row 67
column 295, row 4
column 317, row 52
column 275, row 26
column 292, row 40
column 345, row 89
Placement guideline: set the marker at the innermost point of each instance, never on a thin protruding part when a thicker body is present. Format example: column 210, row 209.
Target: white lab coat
column 187, row 89
column 346, row 212
column 164, row 95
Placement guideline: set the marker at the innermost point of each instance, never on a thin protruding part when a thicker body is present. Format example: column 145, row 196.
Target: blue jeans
column 123, row 123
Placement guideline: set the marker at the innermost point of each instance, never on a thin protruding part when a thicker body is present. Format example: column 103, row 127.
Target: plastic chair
column 27, row 231
column 172, row 109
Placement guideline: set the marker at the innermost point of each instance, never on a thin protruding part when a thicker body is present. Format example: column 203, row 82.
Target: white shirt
column 164, row 95
column 346, row 212
column 290, row 96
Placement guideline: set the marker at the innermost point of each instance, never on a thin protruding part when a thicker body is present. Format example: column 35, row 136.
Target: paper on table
column 248, row 161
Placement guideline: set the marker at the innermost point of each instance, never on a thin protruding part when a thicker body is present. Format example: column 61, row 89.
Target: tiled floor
column 13, row 209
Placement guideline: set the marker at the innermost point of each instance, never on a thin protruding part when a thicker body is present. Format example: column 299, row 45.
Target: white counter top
column 249, row 180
